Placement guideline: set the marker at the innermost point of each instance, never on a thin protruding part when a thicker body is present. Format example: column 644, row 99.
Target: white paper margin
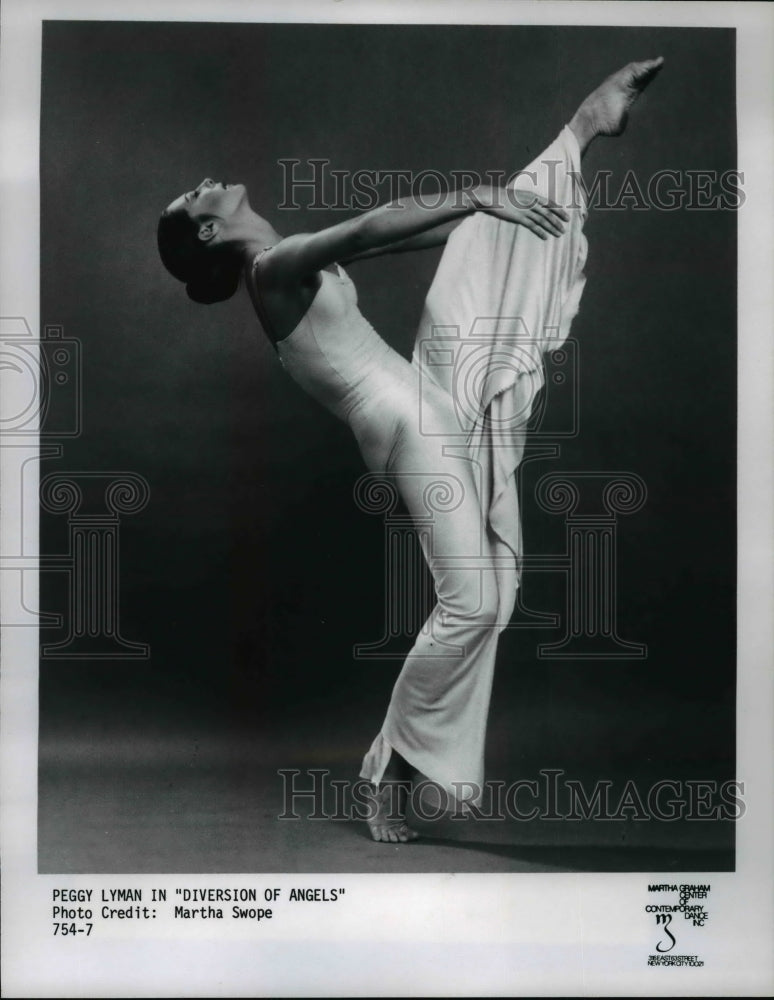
column 431, row 934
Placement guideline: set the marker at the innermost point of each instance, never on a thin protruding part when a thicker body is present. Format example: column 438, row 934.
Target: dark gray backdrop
column 251, row 573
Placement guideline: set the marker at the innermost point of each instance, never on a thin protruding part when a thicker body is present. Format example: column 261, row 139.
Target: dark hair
column 211, row 273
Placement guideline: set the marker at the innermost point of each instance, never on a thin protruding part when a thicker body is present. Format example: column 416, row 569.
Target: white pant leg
column 438, row 710
column 501, row 298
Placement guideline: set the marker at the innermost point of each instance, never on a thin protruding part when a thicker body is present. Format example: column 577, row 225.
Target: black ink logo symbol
column 666, row 920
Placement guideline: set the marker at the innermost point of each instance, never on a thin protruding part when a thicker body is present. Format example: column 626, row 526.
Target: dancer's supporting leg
column 436, row 721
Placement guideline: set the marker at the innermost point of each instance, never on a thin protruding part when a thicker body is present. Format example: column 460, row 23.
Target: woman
column 512, row 260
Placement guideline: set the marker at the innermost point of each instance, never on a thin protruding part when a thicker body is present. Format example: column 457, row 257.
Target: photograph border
column 580, row 934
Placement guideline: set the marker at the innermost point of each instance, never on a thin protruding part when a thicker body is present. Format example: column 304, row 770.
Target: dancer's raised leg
column 606, row 110
column 501, row 297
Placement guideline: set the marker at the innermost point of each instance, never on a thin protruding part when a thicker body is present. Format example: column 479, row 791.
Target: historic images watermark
column 549, row 795
column 316, row 185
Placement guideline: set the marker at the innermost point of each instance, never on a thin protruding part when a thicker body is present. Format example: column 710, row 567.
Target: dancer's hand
column 523, row 208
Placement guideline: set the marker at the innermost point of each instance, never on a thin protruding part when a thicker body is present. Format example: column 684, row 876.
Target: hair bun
column 210, row 274
column 215, row 285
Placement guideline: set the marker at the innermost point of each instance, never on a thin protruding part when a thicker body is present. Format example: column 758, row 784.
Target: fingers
column 535, row 228
column 541, row 216
column 552, row 217
column 547, row 222
column 543, row 224
column 553, row 210
column 554, row 214
column 535, row 202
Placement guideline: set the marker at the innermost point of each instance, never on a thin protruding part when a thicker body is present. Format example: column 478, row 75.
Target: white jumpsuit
column 447, row 431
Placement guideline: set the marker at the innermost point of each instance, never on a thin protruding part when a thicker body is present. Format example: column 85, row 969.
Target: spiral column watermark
column 408, row 595
column 92, row 560
column 591, row 502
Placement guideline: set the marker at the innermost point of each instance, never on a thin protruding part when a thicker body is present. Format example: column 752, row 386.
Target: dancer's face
column 211, row 199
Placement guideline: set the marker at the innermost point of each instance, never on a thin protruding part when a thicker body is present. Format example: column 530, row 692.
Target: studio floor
column 190, row 800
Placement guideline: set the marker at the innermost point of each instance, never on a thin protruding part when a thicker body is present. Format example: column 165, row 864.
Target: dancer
column 512, row 260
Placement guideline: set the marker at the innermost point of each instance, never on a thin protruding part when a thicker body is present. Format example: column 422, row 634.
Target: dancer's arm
column 435, row 237
column 298, row 256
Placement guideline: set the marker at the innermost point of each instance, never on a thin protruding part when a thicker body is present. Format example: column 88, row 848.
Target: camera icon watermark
column 42, row 381
column 474, row 368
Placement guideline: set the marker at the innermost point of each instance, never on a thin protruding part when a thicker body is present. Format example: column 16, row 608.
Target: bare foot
column 386, row 814
column 606, row 110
